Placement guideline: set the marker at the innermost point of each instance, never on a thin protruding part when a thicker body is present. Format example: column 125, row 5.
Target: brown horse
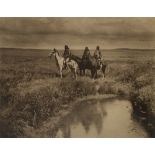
column 95, row 65
column 91, row 64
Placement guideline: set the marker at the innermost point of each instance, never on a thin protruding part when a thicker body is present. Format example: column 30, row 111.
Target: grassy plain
column 31, row 92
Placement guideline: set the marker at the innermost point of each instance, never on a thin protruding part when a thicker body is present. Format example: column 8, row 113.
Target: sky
column 77, row 33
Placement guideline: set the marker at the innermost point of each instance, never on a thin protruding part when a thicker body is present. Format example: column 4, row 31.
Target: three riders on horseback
column 97, row 55
column 93, row 63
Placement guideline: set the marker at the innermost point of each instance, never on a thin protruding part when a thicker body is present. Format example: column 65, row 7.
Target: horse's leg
column 75, row 73
column 103, row 74
column 92, row 73
column 84, row 72
column 96, row 74
column 80, row 72
column 103, row 70
column 60, row 73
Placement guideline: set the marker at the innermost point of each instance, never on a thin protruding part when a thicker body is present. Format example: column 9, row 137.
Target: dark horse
column 90, row 64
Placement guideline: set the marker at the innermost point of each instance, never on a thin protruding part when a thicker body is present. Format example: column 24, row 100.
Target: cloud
column 58, row 31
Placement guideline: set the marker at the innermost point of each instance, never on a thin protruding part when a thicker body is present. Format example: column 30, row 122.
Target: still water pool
column 101, row 118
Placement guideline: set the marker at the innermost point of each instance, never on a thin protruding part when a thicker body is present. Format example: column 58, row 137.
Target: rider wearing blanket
column 86, row 54
column 98, row 55
column 66, row 55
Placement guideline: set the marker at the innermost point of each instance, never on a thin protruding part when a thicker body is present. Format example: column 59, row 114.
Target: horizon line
column 77, row 48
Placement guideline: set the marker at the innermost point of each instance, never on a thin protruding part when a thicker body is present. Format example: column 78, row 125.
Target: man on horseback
column 98, row 56
column 86, row 54
column 66, row 55
column 85, row 59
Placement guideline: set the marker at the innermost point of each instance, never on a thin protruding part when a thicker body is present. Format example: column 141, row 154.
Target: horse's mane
column 58, row 52
column 76, row 58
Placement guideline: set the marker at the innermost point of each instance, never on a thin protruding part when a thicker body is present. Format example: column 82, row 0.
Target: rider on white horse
column 71, row 64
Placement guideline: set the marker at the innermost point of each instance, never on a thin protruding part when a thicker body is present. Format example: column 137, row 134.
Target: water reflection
column 96, row 118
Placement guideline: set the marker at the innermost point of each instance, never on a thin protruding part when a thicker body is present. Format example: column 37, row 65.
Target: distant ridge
column 37, row 49
column 9, row 48
column 131, row 49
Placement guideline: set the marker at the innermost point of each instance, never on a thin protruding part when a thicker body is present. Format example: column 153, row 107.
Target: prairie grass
column 31, row 91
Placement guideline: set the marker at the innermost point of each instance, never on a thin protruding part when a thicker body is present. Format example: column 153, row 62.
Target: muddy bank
column 143, row 114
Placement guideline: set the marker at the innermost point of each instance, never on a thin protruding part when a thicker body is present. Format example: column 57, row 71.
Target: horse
column 79, row 62
column 71, row 64
column 91, row 64
column 95, row 65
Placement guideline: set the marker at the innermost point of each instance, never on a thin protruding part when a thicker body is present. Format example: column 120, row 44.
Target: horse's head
column 52, row 53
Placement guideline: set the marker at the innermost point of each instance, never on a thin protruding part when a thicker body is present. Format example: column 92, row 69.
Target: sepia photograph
column 77, row 77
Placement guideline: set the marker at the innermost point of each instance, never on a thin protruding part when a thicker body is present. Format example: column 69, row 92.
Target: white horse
column 71, row 64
